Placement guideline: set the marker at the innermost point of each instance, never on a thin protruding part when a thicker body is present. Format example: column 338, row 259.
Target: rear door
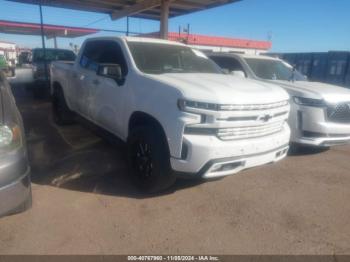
column 84, row 75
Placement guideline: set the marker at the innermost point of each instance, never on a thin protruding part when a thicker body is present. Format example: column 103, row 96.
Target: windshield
column 153, row 58
column 53, row 55
column 273, row 70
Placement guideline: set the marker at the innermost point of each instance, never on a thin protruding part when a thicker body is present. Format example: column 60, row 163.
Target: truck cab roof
column 137, row 39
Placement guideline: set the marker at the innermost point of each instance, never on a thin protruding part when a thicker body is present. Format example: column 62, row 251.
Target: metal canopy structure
column 148, row 9
column 51, row 31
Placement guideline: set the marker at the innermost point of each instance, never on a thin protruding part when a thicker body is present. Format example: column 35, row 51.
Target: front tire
column 61, row 113
column 149, row 159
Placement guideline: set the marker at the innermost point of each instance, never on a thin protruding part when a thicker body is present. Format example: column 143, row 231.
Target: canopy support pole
column 43, row 40
column 127, row 26
column 164, row 19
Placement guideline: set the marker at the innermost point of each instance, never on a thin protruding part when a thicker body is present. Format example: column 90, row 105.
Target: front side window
column 273, row 70
column 103, row 52
column 154, row 58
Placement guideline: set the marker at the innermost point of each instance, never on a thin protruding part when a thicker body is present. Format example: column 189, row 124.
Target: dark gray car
column 15, row 188
column 40, row 63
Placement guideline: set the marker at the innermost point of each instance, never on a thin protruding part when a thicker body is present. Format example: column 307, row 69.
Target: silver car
column 15, row 188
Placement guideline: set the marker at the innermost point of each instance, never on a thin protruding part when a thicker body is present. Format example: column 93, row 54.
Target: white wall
column 9, row 50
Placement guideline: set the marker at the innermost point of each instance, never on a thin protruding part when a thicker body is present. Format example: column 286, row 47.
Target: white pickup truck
column 173, row 106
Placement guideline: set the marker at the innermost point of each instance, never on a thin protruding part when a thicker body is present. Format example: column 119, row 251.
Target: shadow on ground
column 298, row 150
column 75, row 157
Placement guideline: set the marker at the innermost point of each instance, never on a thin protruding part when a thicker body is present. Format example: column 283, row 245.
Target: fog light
column 227, row 167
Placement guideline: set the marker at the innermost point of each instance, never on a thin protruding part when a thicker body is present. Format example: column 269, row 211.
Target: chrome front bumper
column 310, row 126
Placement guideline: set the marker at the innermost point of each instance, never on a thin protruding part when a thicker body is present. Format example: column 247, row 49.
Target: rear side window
column 103, row 52
column 53, row 55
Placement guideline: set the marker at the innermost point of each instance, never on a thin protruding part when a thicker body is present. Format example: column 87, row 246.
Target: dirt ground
column 83, row 202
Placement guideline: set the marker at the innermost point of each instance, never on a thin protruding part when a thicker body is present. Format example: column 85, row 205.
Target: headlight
column 10, row 138
column 184, row 105
column 309, row 101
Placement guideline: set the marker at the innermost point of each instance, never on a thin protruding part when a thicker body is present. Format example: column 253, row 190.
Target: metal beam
column 133, row 8
column 136, row 8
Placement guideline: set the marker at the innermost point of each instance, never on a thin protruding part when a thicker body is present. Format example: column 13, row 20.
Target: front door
column 105, row 97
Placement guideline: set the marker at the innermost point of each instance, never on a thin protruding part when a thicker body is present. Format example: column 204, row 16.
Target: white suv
column 320, row 113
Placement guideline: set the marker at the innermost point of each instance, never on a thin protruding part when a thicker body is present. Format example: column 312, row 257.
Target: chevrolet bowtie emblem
column 265, row 118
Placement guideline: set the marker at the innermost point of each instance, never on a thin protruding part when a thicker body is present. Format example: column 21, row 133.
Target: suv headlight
column 10, row 137
column 309, row 101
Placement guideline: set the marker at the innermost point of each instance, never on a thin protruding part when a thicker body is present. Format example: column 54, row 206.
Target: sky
column 292, row 25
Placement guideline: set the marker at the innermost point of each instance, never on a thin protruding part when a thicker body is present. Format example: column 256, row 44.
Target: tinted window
column 53, row 55
column 103, row 52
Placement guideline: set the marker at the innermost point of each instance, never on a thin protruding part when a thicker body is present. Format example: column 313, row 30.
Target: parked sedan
column 15, row 188
column 320, row 113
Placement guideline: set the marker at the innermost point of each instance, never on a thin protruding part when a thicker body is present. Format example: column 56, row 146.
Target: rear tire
column 61, row 113
column 149, row 159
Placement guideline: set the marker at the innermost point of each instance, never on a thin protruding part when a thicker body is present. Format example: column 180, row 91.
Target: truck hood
column 330, row 93
column 223, row 89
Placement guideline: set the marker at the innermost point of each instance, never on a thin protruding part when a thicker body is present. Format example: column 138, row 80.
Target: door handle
column 96, row 82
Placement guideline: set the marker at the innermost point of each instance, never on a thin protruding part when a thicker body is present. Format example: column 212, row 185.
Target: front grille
column 339, row 113
column 253, row 107
column 250, row 132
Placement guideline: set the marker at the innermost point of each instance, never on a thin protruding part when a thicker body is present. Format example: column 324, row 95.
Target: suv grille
column 340, row 113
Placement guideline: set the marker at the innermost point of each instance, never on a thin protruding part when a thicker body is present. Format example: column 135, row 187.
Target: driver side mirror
column 113, row 71
column 238, row 73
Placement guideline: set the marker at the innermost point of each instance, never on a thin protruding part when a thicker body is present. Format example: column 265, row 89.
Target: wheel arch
column 140, row 118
